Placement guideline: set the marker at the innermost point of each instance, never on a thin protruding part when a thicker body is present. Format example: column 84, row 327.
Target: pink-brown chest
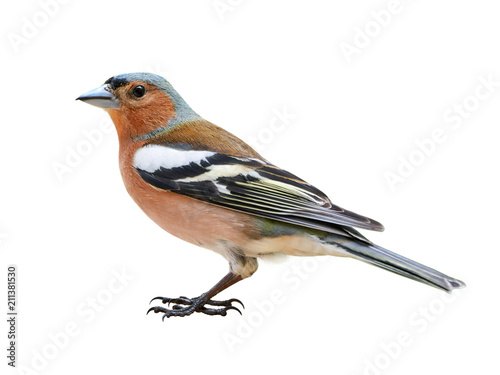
column 189, row 219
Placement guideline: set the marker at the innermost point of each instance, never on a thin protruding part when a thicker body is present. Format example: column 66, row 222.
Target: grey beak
column 100, row 97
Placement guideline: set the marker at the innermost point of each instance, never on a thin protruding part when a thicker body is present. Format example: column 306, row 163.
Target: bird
column 206, row 186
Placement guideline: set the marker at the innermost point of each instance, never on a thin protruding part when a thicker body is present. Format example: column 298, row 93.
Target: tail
column 383, row 258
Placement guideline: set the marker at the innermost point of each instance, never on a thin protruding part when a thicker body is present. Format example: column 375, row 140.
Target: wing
column 244, row 184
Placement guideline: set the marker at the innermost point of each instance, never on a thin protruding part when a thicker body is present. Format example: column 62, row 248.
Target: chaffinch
column 204, row 185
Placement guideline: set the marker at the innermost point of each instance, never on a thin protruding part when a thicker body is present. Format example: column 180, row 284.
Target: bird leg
column 184, row 306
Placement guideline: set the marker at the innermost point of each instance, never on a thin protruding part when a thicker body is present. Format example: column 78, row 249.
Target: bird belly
column 297, row 245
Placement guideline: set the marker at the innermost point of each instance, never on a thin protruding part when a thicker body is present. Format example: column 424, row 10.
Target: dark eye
column 139, row 91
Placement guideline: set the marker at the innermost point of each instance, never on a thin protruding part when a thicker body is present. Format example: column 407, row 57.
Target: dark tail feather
column 393, row 262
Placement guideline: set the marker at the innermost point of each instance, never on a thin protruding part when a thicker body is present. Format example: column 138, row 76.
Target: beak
column 101, row 97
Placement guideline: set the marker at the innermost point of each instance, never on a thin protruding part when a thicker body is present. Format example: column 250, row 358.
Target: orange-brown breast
column 191, row 220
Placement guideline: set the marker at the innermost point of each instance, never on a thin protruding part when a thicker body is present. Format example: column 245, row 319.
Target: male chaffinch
column 206, row 186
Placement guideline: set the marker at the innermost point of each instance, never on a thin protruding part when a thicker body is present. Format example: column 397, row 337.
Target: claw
column 234, row 308
column 180, row 300
column 184, row 306
column 237, row 301
column 225, row 303
column 154, row 299
column 152, row 309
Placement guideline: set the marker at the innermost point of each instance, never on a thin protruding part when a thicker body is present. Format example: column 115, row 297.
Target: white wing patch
column 151, row 157
column 216, row 171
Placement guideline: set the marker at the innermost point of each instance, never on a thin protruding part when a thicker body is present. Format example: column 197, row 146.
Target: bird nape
column 204, row 185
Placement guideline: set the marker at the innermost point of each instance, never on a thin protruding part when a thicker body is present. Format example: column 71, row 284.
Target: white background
column 70, row 235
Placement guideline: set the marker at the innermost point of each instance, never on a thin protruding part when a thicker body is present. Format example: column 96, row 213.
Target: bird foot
column 184, row 306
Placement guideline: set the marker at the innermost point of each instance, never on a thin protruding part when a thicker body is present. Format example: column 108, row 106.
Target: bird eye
column 139, row 91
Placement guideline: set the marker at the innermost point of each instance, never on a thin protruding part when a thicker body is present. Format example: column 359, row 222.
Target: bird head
column 140, row 104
